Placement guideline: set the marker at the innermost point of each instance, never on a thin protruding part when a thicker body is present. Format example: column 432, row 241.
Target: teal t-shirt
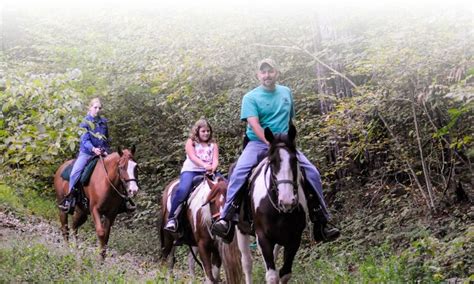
column 274, row 109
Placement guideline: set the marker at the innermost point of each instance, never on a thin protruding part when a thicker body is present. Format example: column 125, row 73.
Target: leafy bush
column 39, row 122
column 27, row 201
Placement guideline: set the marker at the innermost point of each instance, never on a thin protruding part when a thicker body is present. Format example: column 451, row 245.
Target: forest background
column 383, row 96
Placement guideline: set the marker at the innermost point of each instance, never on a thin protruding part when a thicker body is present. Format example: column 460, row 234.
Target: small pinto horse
column 113, row 180
column 278, row 208
column 204, row 205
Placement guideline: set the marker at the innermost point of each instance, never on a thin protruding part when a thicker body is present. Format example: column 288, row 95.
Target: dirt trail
column 16, row 230
column 13, row 229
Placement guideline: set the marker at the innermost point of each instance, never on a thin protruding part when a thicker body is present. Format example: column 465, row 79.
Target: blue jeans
column 183, row 190
column 253, row 153
column 77, row 169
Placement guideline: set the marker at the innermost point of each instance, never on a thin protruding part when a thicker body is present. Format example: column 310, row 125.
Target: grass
column 26, row 201
column 39, row 264
column 423, row 258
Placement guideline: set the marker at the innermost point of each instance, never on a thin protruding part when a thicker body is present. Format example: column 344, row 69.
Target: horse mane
column 197, row 199
column 112, row 156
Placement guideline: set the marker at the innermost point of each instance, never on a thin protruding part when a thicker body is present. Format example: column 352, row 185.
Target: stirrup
column 321, row 233
column 65, row 206
column 224, row 229
column 68, row 204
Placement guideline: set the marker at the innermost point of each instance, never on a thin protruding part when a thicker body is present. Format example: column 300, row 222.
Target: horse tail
column 231, row 261
column 160, row 227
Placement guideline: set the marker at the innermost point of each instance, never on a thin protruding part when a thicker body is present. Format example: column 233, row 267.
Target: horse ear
column 269, row 135
column 133, row 149
column 291, row 133
column 119, row 150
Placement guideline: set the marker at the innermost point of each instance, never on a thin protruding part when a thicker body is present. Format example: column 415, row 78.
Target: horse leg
column 216, row 262
column 171, row 258
column 246, row 256
column 192, row 262
column 205, row 254
column 266, row 248
column 276, row 252
column 288, row 257
column 64, row 225
column 108, row 222
column 78, row 219
column 167, row 248
column 99, row 230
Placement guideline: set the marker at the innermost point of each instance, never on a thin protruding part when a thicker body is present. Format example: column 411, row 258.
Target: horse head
column 283, row 165
column 216, row 197
column 128, row 170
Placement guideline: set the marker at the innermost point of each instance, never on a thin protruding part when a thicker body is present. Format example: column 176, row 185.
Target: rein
column 124, row 196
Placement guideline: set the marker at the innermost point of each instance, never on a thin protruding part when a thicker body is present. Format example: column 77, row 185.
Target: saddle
column 86, row 173
column 184, row 234
column 83, row 181
column 243, row 202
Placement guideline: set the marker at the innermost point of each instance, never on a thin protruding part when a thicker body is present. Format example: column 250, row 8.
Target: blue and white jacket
column 96, row 135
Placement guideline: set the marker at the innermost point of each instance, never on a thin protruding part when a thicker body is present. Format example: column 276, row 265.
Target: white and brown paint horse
column 113, row 179
column 204, row 205
column 278, row 208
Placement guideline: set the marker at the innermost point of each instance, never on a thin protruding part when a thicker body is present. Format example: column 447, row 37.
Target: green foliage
column 27, row 201
column 38, row 122
column 424, row 261
column 158, row 72
column 38, row 263
column 135, row 241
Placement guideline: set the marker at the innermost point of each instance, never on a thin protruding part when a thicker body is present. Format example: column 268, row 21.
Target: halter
column 124, row 181
column 276, row 182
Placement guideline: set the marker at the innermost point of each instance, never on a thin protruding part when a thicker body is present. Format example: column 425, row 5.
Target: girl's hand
column 208, row 168
column 96, row 151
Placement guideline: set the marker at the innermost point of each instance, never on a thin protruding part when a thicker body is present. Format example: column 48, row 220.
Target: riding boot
column 69, row 202
column 171, row 225
column 224, row 227
column 322, row 230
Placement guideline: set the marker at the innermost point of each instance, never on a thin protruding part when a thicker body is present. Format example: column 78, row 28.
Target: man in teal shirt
column 271, row 105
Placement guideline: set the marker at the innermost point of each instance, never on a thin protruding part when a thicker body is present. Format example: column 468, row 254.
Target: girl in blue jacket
column 94, row 142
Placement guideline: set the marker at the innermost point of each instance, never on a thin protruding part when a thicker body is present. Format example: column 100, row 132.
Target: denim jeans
column 253, row 153
column 78, row 167
column 183, row 190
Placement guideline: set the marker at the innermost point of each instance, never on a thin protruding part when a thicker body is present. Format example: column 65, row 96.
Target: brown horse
column 113, row 180
column 204, row 205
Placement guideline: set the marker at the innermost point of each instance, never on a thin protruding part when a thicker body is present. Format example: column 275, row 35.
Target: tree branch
column 296, row 47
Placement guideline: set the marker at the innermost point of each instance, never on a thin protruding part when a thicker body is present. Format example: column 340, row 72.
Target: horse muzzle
column 132, row 187
column 287, row 207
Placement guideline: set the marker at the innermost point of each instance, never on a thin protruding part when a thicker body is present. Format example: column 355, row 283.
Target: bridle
column 124, row 181
column 275, row 182
column 215, row 212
